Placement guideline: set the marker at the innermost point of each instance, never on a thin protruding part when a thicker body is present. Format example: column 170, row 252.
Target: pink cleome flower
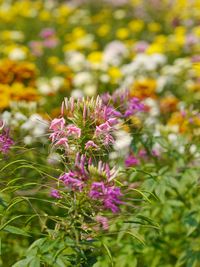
column 109, row 195
column 5, row 141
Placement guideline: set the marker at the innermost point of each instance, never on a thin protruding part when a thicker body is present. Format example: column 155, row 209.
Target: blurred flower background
column 130, row 70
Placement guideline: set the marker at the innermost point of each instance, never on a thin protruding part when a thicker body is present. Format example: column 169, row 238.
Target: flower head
column 108, row 195
column 5, row 141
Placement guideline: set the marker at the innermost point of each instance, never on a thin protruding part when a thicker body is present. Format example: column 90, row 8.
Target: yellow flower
column 64, row 10
column 103, row 30
column 95, row 57
column 196, row 121
column 45, row 15
column 78, row 32
column 53, row 60
column 122, row 33
column 70, row 46
column 115, row 74
column 196, row 31
column 4, row 96
column 196, row 68
column 19, row 92
column 177, row 119
column 154, row 27
column 136, row 122
column 136, row 25
column 180, row 30
column 155, row 48
column 160, row 39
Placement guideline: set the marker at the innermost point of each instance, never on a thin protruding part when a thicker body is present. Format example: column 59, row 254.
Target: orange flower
column 19, row 92
column 13, row 71
column 168, row 104
column 143, row 88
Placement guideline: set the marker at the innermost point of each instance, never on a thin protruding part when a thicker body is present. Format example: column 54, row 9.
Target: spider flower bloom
column 108, row 195
column 103, row 222
column 73, row 130
column 5, row 141
column 62, row 142
column 90, row 144
column 57, row 124
column 70, row 181
column 54, row 193
column 134, row 105
column 131, row 161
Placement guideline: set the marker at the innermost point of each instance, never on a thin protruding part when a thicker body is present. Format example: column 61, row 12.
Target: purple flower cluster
column 61, row 132
column 71, row 181
column 133, row 106
column 97, row 122
column 49, row 40
column 131, row 161
column 108, row 195
column 122, row 105
column 5, row 141
column 79, row 179
column 75, row 179
column 96, row 114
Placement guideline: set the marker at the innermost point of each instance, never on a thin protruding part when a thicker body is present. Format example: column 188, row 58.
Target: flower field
column 100, row 133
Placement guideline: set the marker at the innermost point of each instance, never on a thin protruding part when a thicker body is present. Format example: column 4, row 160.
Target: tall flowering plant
column 89, row 190
column 84, row 135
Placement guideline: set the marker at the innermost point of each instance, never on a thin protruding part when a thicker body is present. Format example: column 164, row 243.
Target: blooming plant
column 109, row 176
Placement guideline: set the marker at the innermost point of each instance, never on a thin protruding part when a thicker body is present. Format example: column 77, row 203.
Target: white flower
column 114, row 53
column 28, row 140
column 17, row 54
column 6, row 116
column 173, row 138
column 75, row 60
column 77, row 93
column 90, row 90
column 82, row 78
column 57, row 82
column 122, row 143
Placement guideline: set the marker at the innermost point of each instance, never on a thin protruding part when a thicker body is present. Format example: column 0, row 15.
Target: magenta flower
column 47, row 33
column 57, row 124
column 112, row 121
column 73, row 130
column 103, row 221
column 50, row 42
column 62, row 142
column 54, row 193
column 108, row 195
column 134, row 105
column 71, row 182
column 131, row 161
column 142, row 153
column 91, row 144
column 102, row 128
column 5, row 141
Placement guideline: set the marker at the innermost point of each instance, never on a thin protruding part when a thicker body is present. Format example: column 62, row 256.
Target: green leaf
column 35, row 262
column 15, row 230
column 109, row 253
